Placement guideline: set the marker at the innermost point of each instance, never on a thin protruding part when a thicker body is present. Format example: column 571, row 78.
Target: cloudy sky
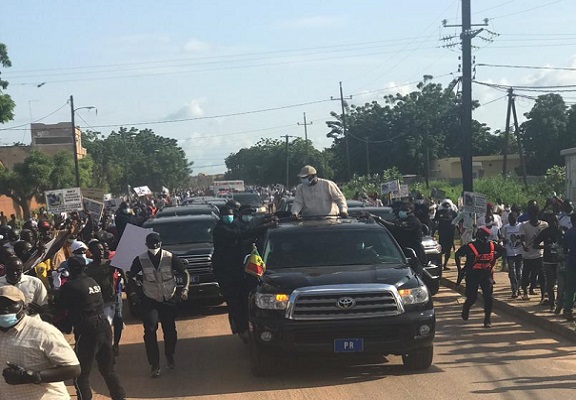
column 219, row 75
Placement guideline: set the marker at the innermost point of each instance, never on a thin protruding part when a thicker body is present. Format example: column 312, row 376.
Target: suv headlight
column 268, row 301
column 417, row 295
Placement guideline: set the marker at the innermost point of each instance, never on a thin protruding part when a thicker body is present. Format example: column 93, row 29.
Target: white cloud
column 195, row 46
column 191, row 109
column 313, row 22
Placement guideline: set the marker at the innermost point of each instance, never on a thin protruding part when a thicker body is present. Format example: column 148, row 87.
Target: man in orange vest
column 481, row 255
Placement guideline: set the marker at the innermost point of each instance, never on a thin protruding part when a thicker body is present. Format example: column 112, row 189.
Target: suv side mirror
column 413, row 260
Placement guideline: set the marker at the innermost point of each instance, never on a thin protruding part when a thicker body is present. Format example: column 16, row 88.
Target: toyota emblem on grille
column 345, row 303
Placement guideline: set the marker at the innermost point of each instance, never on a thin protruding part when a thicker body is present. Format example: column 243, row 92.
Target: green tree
column 545, row 133
column 265, row 162
column 27, row 179
column 404, row 131
column 136, row 158
column 6, row 103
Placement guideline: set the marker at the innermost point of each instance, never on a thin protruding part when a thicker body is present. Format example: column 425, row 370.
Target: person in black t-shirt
column 443, row 218
column 81, row 296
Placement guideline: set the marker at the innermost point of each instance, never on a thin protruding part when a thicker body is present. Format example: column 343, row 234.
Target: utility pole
column 344, row 132
column 507, row 133
column 520, row 149
column 305, row 138
column 367, row 157
column 466, row 123
column 287, row 161
column 74, row 147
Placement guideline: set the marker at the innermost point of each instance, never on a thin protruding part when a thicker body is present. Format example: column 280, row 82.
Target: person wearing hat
column 81, row 297
column 60, row 275
column 38, row 358
column 158, row 269
column 481, row 255
column 317, row 197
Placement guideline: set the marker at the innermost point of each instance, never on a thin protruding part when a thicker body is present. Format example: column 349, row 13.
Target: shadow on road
column 220, row 365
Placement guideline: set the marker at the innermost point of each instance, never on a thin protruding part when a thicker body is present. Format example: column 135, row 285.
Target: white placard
column 94, row 208
column 142, row 191
column 63, row 200
column 390, row 187
column 132, row 244
column 474, row 203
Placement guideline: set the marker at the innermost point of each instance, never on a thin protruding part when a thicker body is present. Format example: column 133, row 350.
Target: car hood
column 287, row 280
column 189, row 248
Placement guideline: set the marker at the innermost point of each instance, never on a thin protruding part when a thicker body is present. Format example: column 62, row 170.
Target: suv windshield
column 251, row 199
column 330, row 248
column 185, row 231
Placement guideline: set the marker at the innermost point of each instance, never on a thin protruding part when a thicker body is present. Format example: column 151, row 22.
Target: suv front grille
column 198, row 264
column 344, row 302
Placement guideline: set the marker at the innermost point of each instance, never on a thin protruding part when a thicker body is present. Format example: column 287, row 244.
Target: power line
column 224, row 58
column 492, row 101
column 399, row 85
column 527, row 10
column 493, row 8
column 526, row 67
column 223, row 68
column 405, row 48
column 206, row 117
column 38, row 120
column 524, row 88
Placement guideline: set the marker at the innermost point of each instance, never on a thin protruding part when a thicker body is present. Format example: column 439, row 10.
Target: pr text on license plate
column 348, row 345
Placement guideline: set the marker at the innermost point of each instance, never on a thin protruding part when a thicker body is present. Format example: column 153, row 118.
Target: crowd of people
column 56, row 274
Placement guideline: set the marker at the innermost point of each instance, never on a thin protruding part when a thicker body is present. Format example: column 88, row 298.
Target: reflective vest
column 158, row 284
column 482, row 261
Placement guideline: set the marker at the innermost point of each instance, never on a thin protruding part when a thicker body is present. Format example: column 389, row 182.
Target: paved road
column 509, row 361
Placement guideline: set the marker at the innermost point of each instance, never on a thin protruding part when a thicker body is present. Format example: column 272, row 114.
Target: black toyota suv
column 339, row 287
column 190, row 238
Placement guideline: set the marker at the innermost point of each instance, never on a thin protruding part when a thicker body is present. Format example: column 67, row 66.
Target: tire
column 261, row 364
column 433, row 286
column 419, row 360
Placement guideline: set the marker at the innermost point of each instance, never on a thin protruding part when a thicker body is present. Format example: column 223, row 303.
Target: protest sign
column 94, row 208
column 142, row 191
column 390, row 187
column 94, row 194
column 132, row 244
column 63, row 200
column 474, row 202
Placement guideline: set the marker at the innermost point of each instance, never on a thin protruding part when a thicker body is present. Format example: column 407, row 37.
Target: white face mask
column 154, row 251
column 305, row 181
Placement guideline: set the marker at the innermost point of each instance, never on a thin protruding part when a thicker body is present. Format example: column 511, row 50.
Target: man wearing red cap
column 481, row 255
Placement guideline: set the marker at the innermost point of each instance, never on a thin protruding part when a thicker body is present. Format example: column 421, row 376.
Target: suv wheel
column 433, row 286
column 261, row 364
column 420, row 359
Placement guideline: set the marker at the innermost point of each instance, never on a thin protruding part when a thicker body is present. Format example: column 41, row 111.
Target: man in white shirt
column 35, row 293
column 318, row 197
column 532, row 257
column 511, row 239
column 38, row 357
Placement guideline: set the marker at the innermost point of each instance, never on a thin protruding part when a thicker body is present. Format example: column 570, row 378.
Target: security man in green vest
column 157, row 269
column 481, row 256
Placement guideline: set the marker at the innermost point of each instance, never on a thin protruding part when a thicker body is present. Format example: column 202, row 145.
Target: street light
column 74, row 139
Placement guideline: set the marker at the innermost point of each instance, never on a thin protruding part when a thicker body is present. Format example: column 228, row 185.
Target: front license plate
column 193, row 279
column 348, row 345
